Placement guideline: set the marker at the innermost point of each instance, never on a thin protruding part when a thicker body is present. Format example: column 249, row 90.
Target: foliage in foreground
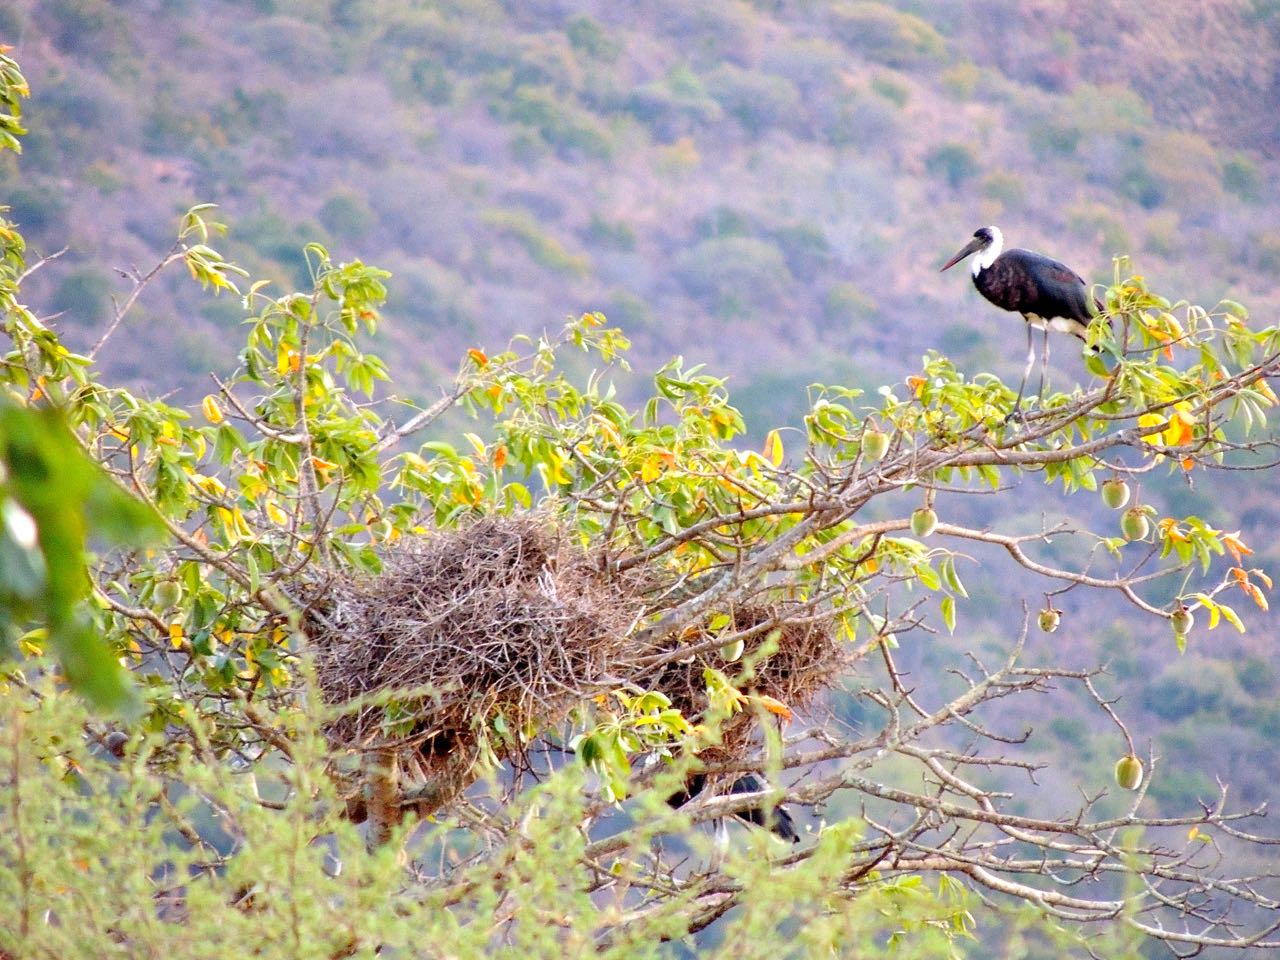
column 218, row 819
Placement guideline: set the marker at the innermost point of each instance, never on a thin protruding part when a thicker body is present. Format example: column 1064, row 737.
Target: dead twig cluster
column 503, row 618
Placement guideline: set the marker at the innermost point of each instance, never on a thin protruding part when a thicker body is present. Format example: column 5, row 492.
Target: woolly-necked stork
column 779, row 822
column 1048, row 293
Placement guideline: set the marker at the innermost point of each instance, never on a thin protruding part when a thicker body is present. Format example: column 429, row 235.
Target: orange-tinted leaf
column 1237, row 546
column 480, row 358
column 774, row 706
column 1180, row 429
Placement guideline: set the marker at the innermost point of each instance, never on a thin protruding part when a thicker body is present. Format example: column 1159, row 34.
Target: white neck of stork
column 987, row 257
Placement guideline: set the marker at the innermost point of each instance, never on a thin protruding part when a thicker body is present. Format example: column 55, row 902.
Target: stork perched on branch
column 1048, row 293
column 777, row 819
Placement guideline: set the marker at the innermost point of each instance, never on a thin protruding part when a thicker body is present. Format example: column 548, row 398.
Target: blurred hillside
column 768, row 188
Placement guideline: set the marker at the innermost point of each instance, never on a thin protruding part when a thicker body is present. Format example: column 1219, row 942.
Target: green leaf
column 948, row 607
column 69, row 497
column 1231, row 617
column 1234, row 308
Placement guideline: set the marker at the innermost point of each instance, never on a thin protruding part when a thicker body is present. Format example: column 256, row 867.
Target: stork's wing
column 1064, row 274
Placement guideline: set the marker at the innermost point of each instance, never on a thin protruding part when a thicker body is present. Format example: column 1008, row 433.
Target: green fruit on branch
column 1129, row 772
column 875, row 444
column 1115, row 493
column 1134, row 524
column 1049, row 619
column 923, row 521
column 1182, row 620
column 167, row 594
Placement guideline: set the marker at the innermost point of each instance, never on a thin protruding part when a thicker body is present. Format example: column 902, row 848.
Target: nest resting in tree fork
column 792, row 655
column 505, row 618
column 501, row 618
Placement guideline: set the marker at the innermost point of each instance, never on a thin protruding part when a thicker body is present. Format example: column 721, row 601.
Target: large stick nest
column 503, row 617
column 790, row 654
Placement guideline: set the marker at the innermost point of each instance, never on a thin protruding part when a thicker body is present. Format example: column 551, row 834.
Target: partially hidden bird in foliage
column 1048, row 293
column 778, row 820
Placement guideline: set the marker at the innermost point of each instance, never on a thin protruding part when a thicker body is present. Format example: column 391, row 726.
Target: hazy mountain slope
column 769, row 188
column 757, row 186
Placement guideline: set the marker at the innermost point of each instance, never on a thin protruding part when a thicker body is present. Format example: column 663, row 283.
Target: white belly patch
column 1060, row 324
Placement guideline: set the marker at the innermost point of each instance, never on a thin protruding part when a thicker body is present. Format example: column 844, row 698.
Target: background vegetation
column 765, row 188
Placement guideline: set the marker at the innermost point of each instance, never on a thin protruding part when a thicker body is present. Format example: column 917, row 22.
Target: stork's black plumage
column 1048, row 293
column 780, row 821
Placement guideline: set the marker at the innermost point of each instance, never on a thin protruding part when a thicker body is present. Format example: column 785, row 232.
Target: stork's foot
column 1017, row 413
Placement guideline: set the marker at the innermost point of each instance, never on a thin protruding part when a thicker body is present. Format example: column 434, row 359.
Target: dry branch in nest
column 791, row 655
column 503, row 617
column 507, row 618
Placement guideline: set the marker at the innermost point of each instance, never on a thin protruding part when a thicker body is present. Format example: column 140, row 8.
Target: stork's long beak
column 973, row 246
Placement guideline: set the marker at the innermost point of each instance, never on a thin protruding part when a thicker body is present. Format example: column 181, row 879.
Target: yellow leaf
column 1172, row 325
column 610, row 433
column 228, row 521
column 773, row 448
column 276, row 515
column 287, row 361
column 1264, row 388
column 1148, row 420
column 651, row 469
column 558, row 460
column 175, row 635
column 252, row 487
column 212, row 412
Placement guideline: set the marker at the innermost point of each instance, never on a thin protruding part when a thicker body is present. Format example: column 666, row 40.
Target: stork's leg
column 1026, row 372
column 720, row 848
column 1044, row 360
